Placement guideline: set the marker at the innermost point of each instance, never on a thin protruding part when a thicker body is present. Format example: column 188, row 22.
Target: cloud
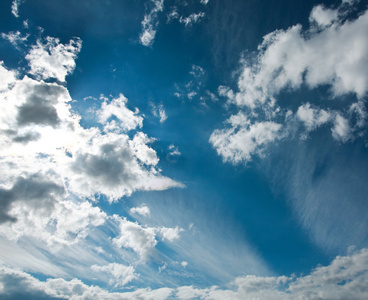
column 312, row 117
column 15, row 38
column 170, row 234
column 128, row 119
column 150, row 23
column 322, row 16
column 344, row 278
column 244, row 139
column 286, row 59
column 159, row 111
column 142, row 239
column 53, row 59
column 15, row 7
column 332, row 52
column 142, row 210
column 121, row 275
column 174, row 151
column 7, row 77
column 205, row 2
column 193, row 18
column 22, row 285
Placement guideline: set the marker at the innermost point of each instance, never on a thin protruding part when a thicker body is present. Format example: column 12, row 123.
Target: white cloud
column 197, row 71
column 7, row 77
column 184, row 263
column 15, row 38
column 170, row 234
column 287, row 59
column 141, row 240
column 323, row 16
column 128, row 119
column 344, row 278
column 312, row 117
column 159, row 111
column 150, row 23
column 121, row 274
column 142, row 210
column 53, row 59
column 341, row 131
column 193, row 18
column 25, row 285
column 205, row 2
column 244, row 139
column 15, row 7
column 334, row 54
column 174, row 151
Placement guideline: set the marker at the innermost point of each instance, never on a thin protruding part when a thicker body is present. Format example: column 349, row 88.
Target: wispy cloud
column 150, row 23
column 344, row 278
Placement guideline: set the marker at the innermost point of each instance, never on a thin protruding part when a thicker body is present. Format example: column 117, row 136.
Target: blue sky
column 171, row 149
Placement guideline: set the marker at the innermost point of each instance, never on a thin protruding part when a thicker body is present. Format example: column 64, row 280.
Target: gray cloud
column 37, row 192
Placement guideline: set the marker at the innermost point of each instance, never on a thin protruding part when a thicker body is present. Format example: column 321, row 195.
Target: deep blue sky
column 293, row 201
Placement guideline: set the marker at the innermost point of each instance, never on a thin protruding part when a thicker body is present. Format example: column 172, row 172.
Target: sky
column 183, row 149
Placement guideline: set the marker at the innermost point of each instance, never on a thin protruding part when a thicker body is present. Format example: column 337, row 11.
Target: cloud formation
column 150, row 23
column 344, row 278
column 332, row 52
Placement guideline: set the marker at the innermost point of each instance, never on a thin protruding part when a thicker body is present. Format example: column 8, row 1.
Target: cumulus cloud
column 143, row 239
column 150, row 23
column 332, row 52
column 344, row 278
column 142, row 210
column 170, row 234
column 52, row 59
column 121, row 275
column 312, row 117
column 128, row 119
column 244, row 139
column 21, row 285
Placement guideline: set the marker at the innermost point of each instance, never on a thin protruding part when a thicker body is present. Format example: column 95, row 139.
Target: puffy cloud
column 150, row 23
column 312, row 117
column 286, row 59
column 244, row 139
column 7, row 77
column 129, row 119
column 341, row 131
column 121, row 274
column 53, row 59
column 141, row 240
column 142, row 210
column 22, row 285
column 332, row 52
column 170, row 234
column 344, row 278
column 323, row 16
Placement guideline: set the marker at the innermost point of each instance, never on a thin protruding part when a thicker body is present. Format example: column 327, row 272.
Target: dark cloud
column 36, row 192
column 110, row 166
column 37, row 111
